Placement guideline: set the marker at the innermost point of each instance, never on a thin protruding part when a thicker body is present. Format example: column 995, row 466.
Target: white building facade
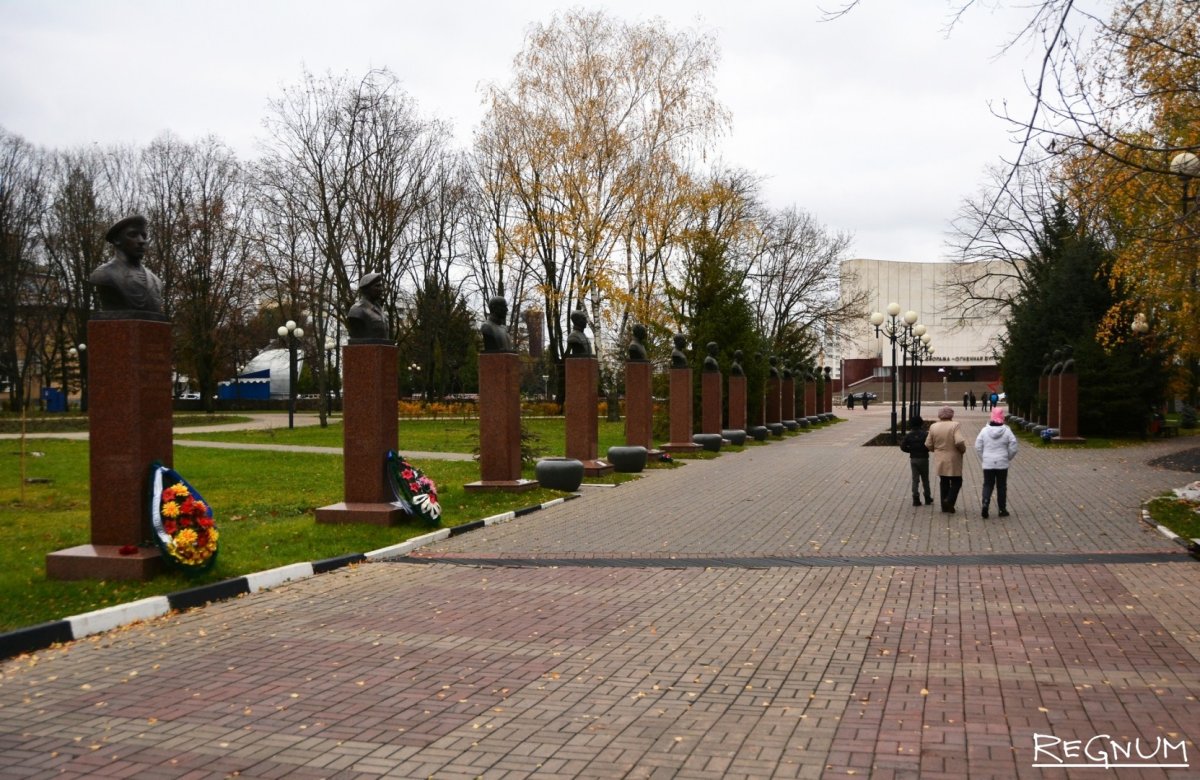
column 965, row 345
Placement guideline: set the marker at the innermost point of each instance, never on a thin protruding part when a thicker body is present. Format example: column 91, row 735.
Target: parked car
column 858, row 397
column 189, row 396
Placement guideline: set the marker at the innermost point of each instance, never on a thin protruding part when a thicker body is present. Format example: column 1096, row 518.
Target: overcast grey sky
column 877, row 123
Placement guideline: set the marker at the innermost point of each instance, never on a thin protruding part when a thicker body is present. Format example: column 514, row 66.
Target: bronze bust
column 710, row 360
column 577, row 343
column 366, row 318
column 678, row 359
column 735, row 368
column 637, row 347
column 495, row 328
column 124, row 284
column 774, row 370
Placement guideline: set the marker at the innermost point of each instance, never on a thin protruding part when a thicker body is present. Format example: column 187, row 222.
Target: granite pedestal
column 583, row 423
column 500, row 424
column 129, row 420
column 788, row 403
column 369, row 429
column 639, row 405
column 681, row 412
column 1068, row 406
column 710, row 402
column 737, row 403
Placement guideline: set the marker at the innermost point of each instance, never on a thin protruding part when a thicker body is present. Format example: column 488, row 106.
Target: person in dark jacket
column 918, row 460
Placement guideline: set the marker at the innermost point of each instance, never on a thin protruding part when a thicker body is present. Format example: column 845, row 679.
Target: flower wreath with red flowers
column 414, row 491
column 182, row 520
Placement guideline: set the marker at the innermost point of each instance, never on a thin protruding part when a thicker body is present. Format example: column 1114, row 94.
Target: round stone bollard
column 627, row 460
column 564, row 474
column 776, row 429
column 759, row 432
column 709, row 441
column 736, row 437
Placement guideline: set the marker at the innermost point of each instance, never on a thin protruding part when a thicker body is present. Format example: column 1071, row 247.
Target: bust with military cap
column 366, row 318
column 124, row 284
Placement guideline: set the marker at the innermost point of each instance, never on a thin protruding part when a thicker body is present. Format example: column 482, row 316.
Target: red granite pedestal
column 710, row 402
column 681, row 412
column 1043, row 390
column 1053, row 384
column 774, row 422
column 369, row 430
column 639, row 405
column 1068, row 405
column 129, row 422
column 500, row 425
column 737, row 403
column 788, row 401
column 583, row 424
column 810, row 399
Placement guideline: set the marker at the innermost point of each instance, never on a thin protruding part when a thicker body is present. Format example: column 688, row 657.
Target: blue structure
column 252, row 386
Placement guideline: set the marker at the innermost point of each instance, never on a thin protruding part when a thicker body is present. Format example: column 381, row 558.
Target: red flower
column 414, row 487
column 206, row 522
column 170, row 527
column 128, row 549
column 202, row 539
column 168, row 495
column 408, row 474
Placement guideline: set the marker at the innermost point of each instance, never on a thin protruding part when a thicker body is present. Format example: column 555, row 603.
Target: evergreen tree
column 1062, row 304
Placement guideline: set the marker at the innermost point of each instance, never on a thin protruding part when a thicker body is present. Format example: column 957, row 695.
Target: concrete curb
column 1191, row 545
column 39, row 637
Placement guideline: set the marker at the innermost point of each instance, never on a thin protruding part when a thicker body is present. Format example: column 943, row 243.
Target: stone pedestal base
column 129, row 414
column 810, row 399
column 710, row 402
column 103, row 562
column 681, row 412
column 597, row 468
column 737, row 403
column 366, row 513
column 583, row 425
column 500, row 424
column 369, row 431
column 774, row 397
column 1068, row 407
column 787, row 401
column 639, row 405
column 502, row 485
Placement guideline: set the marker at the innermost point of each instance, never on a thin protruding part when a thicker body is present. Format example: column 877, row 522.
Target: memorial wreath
column 182, row 520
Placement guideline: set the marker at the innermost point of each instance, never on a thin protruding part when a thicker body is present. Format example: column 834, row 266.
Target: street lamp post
column 894, row 332
column 292, row 334
column 546, row 387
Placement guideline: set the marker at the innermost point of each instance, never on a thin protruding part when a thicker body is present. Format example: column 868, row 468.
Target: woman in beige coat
column 947, row 445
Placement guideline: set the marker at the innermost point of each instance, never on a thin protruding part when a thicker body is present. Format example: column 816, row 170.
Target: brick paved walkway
column 701, row 661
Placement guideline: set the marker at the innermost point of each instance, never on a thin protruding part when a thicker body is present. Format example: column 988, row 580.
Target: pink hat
column 998, row 416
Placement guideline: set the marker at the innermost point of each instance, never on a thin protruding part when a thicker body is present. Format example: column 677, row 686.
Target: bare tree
column 594, row 109
column 22, row 279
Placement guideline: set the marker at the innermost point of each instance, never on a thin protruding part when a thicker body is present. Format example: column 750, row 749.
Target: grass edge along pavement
column 44, row 635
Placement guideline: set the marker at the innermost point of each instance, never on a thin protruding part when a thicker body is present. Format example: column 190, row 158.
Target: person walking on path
column 996, row 446
column 946, row 442
column 918, row 460
column 972, row 400
column 983, row 401
column 966, row 401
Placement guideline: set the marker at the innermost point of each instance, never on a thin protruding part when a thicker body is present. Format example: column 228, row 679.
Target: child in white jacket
column 996, row 446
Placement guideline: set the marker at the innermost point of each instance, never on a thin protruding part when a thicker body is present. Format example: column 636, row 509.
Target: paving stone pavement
column 676, row 627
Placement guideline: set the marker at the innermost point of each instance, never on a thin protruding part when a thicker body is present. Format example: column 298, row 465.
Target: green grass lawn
column 263, row 504
column 424, row 435
column 1177, row 514
column 73, row 421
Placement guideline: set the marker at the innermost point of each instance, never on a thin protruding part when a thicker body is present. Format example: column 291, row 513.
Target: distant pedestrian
column 972, row 400
column 983, row 401
column 966, row 401
column 850, row 401
column 995, row 399
column 996, row 446
column 864, row 402
column 946, row 442
column 918, row 460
